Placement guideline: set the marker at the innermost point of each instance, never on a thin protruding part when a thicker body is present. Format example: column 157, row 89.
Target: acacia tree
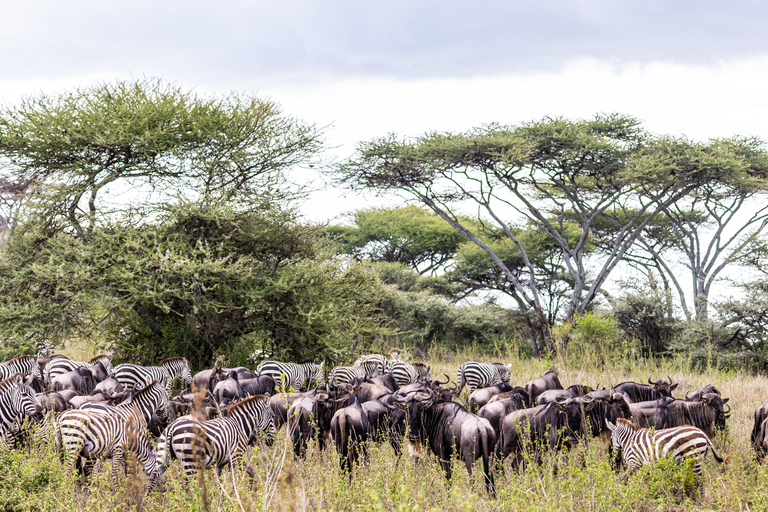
column 709, row 230
column 409, row 235
column 598, row 169
column 91, row 145
column 111, row 157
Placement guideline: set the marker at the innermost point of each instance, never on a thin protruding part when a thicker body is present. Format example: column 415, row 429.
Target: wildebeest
column 350, row 428
column 387, row 380
column 53, row 402
column 551, row 395
column 709, row 388
column 228, row 391
column 706, row 413
column 280, row 403
column 80, row 380
column 551, row 426
column 540, row 384
column 646, row 392
column 502, row 404
column 366, row 391
column 327, row 402
column 109, row 387
column 759, row 435
column 259, row 385
column 299, row 422
column 480, row 397
column 448, row 428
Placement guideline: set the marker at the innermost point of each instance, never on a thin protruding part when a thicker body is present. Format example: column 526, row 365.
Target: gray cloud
column 314, row 40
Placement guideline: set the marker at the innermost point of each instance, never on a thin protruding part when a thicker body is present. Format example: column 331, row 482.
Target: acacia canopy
column 146, row 134
column 549, row 173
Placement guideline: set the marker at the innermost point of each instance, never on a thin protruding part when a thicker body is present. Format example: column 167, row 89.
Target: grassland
column 583, row 480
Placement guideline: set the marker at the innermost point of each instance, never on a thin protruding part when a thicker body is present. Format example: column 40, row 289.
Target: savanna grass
column 581, row 480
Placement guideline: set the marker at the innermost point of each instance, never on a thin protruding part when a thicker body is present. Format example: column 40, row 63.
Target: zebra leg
column 117, row 458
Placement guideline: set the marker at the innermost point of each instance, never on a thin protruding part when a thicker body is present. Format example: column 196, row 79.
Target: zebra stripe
column 405, row 373
column 292, row 375
column 26, row 365
column 129, row 375
column 341, row 375
column 482, row 375
column 379, row 359
column 61, row 365
column 17, row 400
column 642, row 446
column 218, row 442
column 146, row 401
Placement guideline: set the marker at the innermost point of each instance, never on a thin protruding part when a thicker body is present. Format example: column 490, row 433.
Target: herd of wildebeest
column 222, row 411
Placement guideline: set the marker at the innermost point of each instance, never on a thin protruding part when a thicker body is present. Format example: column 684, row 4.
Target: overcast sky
column 695, row 68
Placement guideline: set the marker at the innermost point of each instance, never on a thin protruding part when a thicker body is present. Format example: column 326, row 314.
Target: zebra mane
column 145, row 389
column 626, row 422
column 19, row 358
column 419, row 365
column 95, row 358
column 172, row 359
column 243, row 403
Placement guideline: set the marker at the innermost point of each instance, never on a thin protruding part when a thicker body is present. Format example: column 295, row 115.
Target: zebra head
column 254, row 415
column 152, row 398
column 23, row 399
column 178, row 368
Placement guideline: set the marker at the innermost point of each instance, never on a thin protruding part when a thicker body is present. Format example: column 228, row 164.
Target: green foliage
column 642, row 315
column 200, row 280
column 409, row 235
column 420, row 319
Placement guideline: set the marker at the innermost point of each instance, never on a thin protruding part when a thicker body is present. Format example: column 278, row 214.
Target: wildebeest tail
column 716, row 455
column 489, row 484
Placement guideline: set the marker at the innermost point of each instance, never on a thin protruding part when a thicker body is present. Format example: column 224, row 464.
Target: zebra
column 292, row 375
column 62, row 365
column 341, row 375
column 218, row 442
column 482, row 375
column 147, row 402
column 17, row 400
column 128, row 375
column 379, row 359
column 642, row 446
column 405, row 373
column 26, row 365
column 77, row 434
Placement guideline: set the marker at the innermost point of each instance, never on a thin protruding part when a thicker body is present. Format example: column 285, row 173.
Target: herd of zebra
column 95, row 411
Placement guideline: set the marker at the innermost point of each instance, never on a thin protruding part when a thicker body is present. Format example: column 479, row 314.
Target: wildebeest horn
column 669, row 379
column 441, row 383
column 649, row 379
column 729, row 409
column 686, row 395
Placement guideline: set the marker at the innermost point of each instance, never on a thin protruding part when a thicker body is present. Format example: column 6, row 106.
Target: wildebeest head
column 662, row 387
column 575, row 410
column 328, row 401
column 709, row 388
column 414, row 404
column 443, row 394
column 712, row 409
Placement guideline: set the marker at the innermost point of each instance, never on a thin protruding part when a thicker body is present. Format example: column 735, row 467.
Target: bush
column 643, row 316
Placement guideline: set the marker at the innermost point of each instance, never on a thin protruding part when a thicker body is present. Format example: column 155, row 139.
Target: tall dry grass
column 579, row 481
